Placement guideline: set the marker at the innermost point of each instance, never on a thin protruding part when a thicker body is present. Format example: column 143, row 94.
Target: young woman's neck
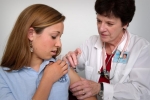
column 35, row 63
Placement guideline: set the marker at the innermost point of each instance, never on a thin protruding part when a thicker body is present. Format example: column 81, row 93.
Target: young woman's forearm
column 43, row 90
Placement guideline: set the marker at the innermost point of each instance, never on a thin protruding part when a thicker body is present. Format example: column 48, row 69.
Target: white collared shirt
column 131, row 81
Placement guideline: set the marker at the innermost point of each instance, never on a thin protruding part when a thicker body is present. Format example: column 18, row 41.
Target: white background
column 80, row 21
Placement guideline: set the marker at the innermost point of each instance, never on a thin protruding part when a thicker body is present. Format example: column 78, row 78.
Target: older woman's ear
column 125, row 26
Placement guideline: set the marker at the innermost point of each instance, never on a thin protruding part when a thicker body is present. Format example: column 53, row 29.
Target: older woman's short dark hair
column 123, row 9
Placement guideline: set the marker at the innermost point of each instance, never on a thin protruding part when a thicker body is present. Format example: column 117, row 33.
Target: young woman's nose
column 58, row 43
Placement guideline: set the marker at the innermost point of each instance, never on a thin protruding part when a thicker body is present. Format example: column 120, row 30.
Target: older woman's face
column 110, row 29
column 47, row 43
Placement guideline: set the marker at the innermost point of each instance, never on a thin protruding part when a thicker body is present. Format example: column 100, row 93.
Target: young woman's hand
column 55, row 70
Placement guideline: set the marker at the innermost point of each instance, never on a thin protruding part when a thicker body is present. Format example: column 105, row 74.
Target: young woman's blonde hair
column 17, row 52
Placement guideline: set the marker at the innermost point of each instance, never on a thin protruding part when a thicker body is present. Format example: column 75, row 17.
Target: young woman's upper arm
column 74, row 77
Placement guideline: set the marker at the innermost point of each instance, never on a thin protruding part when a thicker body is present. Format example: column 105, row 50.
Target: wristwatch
column 101, row 90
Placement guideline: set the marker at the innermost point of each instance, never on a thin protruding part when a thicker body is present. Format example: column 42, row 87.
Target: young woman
column 29, row 69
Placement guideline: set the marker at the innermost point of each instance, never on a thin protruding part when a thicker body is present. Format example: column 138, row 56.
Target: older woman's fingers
column 76, row 86
column 84, row 96
column 69, row 57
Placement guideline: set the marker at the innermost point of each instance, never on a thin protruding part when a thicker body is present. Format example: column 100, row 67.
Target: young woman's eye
column 53, row 37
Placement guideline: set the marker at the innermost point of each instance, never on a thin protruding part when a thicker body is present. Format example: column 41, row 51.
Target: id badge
column 124, row 59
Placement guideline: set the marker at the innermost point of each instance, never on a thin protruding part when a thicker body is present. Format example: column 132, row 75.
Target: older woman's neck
column 111, row 46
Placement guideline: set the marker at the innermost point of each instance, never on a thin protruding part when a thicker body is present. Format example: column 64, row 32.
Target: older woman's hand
column 85, row 88
column 71, row 57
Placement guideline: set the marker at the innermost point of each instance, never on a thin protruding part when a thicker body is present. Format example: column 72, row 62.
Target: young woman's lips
column 53, row 52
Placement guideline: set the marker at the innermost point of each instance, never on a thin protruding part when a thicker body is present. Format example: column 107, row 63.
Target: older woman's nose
column 102, row 27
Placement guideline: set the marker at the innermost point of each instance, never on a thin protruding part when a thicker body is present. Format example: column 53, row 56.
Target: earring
column 31, row 47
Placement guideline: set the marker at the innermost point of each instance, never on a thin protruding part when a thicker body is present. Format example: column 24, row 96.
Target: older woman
column 101, row 56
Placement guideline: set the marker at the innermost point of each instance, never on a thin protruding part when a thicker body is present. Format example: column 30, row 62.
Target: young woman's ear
column 30, row 33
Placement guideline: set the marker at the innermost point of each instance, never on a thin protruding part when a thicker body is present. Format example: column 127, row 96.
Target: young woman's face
column 110, row 29
column 47, row 43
